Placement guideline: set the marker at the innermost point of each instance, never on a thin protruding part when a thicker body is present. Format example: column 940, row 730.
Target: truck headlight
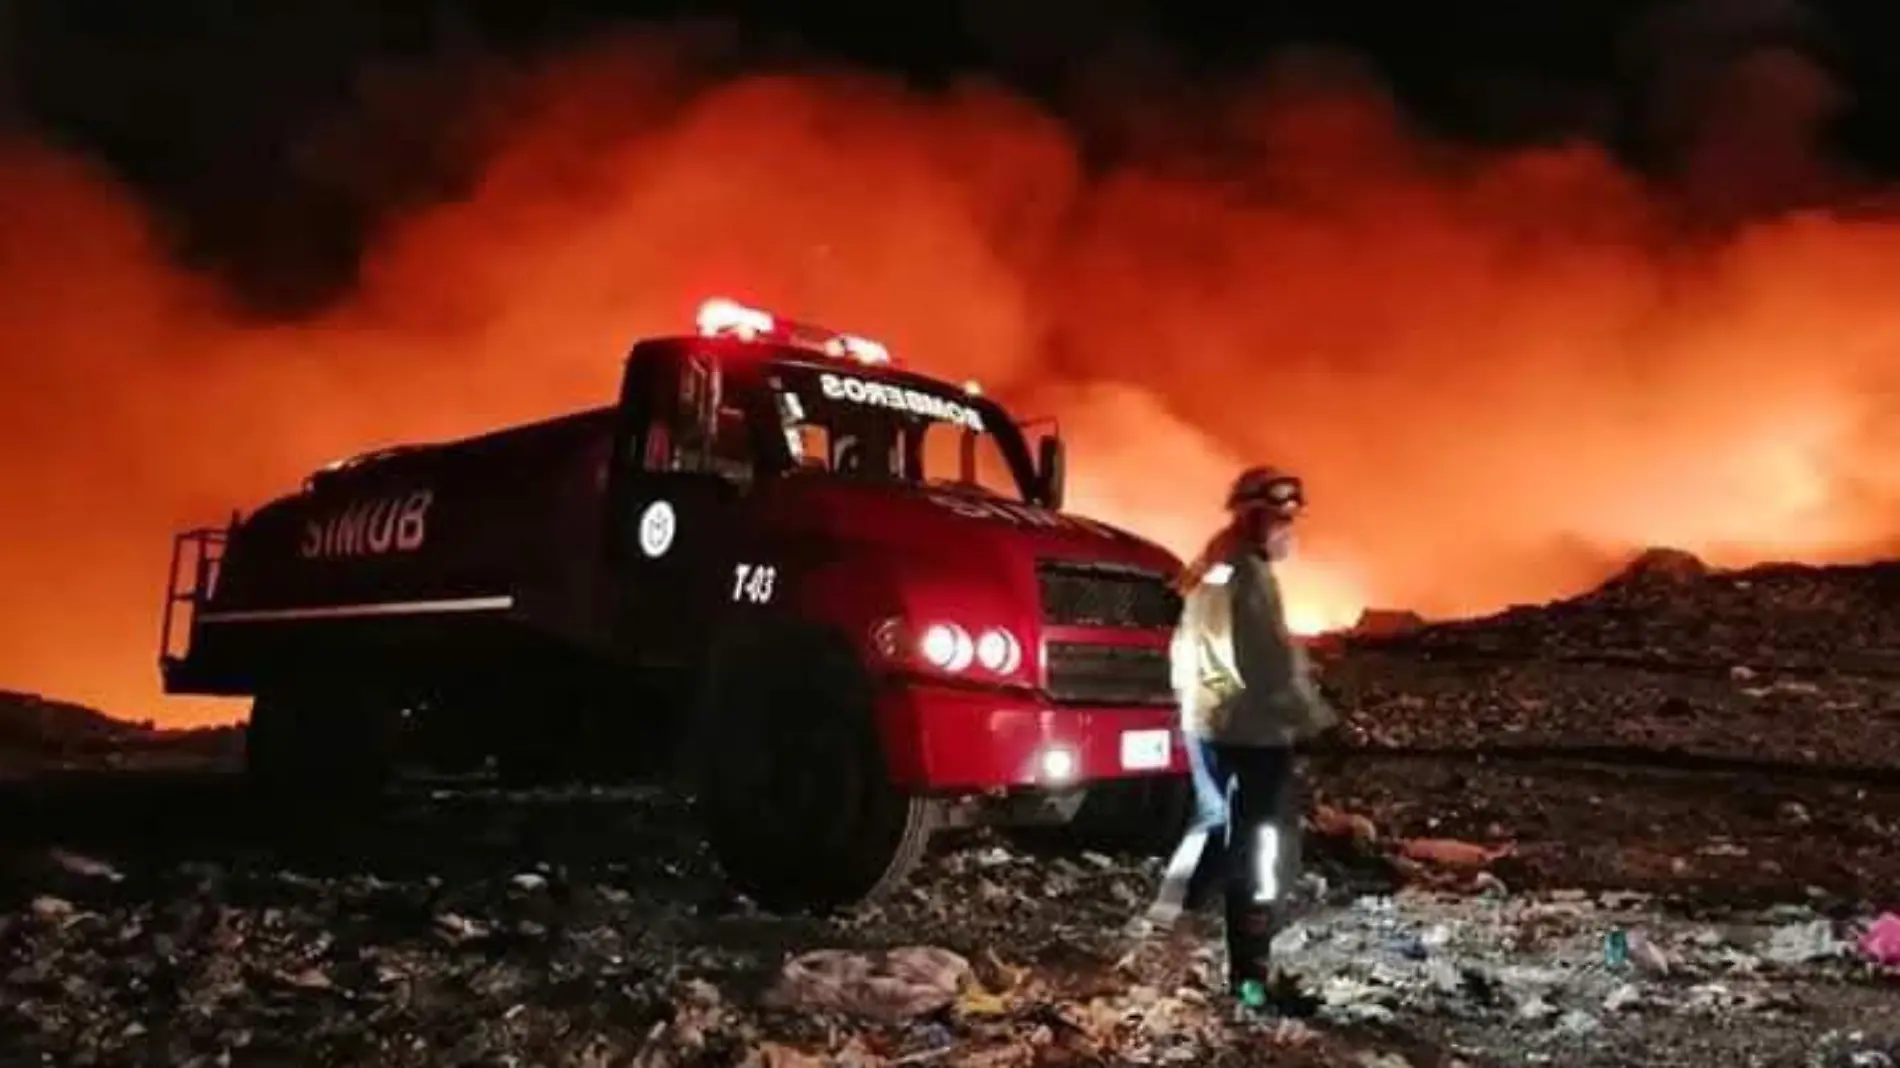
column 1057, row 765
column 999, row 651
column 946, row 646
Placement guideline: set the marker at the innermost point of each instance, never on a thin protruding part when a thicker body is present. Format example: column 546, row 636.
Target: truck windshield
column 899, row 428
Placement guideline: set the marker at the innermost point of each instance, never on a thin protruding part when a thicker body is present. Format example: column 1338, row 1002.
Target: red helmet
column 1269, row 488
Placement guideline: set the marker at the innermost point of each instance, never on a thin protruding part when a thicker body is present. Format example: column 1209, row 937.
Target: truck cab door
column 678, row 476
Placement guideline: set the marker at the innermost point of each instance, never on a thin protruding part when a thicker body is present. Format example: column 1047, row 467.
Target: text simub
column 372, row 527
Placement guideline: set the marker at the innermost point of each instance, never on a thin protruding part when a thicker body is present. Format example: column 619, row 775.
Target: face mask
column 1279, row 541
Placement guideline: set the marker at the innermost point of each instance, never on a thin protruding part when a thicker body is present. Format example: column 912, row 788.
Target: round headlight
column 946, row 646
column 998, row 651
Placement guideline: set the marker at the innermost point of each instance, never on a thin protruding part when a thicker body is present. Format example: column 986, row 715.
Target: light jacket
column 1239, row 675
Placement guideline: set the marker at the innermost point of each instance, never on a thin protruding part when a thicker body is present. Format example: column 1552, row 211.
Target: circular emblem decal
column 657, row 526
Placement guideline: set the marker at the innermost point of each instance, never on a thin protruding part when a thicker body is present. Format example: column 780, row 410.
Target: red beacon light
column 863, row 350
column 720, row 317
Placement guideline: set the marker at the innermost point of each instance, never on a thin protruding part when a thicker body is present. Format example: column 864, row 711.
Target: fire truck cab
column 840, row 595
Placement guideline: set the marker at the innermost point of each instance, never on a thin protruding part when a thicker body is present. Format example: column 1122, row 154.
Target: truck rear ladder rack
column 196, row 556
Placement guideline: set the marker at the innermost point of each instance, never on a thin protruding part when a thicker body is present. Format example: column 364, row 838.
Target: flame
column 1320, row 598
column 1496, row 372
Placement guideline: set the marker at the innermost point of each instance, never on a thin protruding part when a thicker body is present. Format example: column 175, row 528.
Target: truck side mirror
column 1051, row 470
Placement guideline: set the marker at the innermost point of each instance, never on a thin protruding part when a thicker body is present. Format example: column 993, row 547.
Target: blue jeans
column 1210, row 794
column 1193, row 863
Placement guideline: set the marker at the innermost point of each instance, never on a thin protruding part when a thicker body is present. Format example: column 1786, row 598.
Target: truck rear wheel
column 315, row 753
column 795, row 795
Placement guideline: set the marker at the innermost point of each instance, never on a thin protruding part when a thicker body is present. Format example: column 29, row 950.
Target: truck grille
column 1084, row 595
column 1083, row 673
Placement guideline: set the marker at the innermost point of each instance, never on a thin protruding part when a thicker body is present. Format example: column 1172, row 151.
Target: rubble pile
column 1557, row 978
column 1515, row 861
column 482, row 927
column 1777, row 664
column 991, row 957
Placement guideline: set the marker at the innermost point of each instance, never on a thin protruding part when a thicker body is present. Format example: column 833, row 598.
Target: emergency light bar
column 720, row 317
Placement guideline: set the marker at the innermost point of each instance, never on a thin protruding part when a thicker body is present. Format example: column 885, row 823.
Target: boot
column 1280, row 995
column 1252, row 980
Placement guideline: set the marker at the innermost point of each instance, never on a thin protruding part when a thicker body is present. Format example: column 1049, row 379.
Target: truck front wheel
column 798, row 805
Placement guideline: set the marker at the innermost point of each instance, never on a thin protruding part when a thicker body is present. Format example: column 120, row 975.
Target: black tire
column 317, row 755
column 1145, row 815
column 791, row 779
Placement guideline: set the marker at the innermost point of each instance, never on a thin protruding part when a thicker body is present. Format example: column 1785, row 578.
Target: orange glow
column 1319, row 598
column 1497, row 374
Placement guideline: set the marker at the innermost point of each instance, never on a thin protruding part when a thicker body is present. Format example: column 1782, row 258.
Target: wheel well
column 739, row 647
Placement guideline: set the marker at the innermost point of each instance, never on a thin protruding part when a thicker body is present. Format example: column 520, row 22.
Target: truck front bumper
column 949, row 738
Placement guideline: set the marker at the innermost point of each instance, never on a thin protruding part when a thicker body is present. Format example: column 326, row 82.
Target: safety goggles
column 1283, row 498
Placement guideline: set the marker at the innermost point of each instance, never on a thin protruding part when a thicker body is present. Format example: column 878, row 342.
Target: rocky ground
column 1574, row 836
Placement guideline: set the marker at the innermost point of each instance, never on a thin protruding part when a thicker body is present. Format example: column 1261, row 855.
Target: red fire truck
column 840, row 595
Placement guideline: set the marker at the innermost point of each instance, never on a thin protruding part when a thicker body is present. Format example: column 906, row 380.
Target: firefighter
column 1247, row 701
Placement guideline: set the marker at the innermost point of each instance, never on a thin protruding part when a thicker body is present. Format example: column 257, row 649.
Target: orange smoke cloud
column 1497, row 372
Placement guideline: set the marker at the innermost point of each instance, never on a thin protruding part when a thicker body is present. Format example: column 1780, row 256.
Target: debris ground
column 1527, row 852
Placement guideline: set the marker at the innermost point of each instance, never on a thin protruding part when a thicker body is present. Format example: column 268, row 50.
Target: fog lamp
column 1057, row 764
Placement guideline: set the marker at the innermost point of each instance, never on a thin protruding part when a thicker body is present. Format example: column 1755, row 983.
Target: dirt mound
column 30, row 720
column 1660, row 565
column 1779, row 663
column 1385, row 622
column 37, row 733
column 1668, row 607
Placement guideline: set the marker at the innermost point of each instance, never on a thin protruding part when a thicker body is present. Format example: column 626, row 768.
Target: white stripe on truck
column 358, row 611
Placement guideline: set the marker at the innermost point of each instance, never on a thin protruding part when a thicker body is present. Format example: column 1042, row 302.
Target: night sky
column 210, row 107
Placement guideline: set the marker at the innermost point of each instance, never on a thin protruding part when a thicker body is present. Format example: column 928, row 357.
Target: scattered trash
column 1881, row 942
column 1451, row 853
column 1534, row 1007
column 50, row 908
column 775, row 1055
column 1332, row 822
column 1650, row 959
column 1624, row 997
column 458, row 928
column 1803, row 943
column 898, row 984
column 86, row 866
column 1616, row 948
column 1576, row 1023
